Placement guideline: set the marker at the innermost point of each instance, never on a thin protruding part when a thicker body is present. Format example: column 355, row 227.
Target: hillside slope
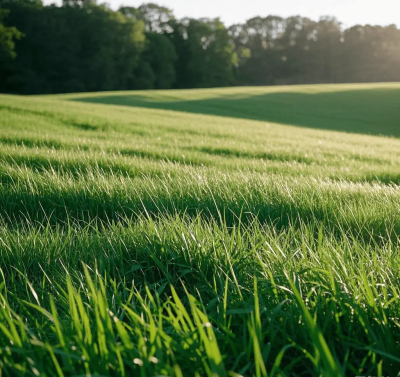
column 357, row 108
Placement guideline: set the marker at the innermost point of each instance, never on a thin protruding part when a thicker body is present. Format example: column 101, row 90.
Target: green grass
column 182, row 233
column 351, row 107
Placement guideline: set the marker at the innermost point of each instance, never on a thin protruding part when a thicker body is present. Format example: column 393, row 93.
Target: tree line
column 85, row 46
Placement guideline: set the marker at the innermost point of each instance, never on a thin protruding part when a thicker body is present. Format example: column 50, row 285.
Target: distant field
column 355, row 108
column 218, row 232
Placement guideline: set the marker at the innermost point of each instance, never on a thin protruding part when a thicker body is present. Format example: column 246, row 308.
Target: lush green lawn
column 350, row 107
column 136, row 240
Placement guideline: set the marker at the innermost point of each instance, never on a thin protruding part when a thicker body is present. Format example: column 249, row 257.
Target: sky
column 349, row 12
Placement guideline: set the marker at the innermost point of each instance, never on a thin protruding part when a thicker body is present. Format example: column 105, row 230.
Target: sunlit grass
column 140, row 241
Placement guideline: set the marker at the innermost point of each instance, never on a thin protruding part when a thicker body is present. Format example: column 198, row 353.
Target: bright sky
column 349, row 12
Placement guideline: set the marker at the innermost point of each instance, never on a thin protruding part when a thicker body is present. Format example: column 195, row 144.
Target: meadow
column 213, row 232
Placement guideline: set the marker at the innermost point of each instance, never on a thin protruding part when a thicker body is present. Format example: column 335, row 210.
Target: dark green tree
column 209, row 55
column 156, row 18
column 86, row 46
column 8, row 36
column 160, row 55
column 80, row 46
column 157, row 61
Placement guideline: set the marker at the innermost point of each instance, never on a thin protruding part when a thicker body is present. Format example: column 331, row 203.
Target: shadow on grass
column 373, row 111
column 100, row 209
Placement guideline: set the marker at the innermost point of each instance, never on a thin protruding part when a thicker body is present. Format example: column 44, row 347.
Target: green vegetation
column 352, row 107
column 84, row 46
column 141, row 237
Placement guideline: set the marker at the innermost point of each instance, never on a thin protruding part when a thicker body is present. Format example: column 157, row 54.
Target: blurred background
column 84, row 45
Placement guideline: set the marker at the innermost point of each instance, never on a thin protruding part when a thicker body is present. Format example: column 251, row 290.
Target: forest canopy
column 85, row 46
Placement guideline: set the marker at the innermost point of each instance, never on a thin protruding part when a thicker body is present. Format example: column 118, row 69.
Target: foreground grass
column 248, row 299
column 151, row 242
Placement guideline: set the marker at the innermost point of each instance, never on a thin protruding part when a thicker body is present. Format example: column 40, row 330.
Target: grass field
column 218, row 232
